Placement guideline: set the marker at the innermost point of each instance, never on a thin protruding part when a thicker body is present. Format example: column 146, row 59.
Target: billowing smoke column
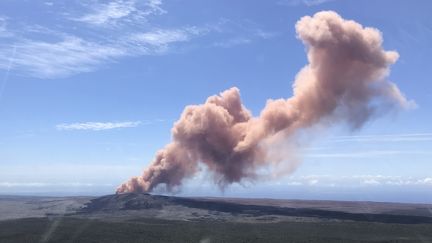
column 344, row 82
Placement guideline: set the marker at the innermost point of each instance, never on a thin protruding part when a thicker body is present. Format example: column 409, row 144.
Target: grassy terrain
column 153, row 230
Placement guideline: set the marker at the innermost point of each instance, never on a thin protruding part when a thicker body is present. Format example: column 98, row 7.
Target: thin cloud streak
column 357, row 181
column 414, row 137
column 158, row 40
column 6, row 76
column 97, row 126
column 367, row 154
column 232, row 42
column 308, row 3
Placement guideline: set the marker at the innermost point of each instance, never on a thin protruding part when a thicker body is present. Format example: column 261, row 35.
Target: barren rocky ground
column 152, row 218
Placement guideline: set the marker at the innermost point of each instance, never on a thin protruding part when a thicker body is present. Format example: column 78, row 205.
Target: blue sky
column 90, row 89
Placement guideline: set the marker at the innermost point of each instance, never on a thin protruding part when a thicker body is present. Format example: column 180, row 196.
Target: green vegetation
column 153, row 230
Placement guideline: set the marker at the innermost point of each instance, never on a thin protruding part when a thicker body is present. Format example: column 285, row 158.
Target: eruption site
column 344, row 82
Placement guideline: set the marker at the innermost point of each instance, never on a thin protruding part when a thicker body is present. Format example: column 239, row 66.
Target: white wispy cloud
column 46, row 52
column 358, row 180
column 84, row 40
column 3, row 27
column 73, row 55
column 409, row 182
column 105, row 13
column 308, row 3
column 53, row 59
column 367, row 154
column 241, row 33
column 159, row 39
column 408, row 137
column 331, row 149
column 97, row 126
column 371, row 182
column 111, row 13
column 315, row 2
column 20, row 184
column 394, row 180
column 233, row 42
column 2, row 24
column 154, row 121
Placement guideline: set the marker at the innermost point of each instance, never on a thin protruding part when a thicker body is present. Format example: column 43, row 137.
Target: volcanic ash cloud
column 344, row 82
